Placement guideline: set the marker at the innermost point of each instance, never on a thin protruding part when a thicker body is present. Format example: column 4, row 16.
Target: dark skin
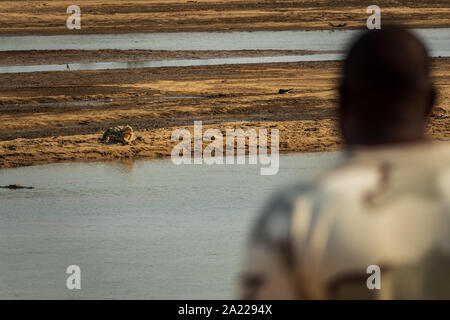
column 386, row 93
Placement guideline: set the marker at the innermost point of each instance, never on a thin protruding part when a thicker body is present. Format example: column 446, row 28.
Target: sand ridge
column 59, row 116
column 116, row 16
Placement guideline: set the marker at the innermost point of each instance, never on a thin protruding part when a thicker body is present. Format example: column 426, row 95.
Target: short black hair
column 385, row 84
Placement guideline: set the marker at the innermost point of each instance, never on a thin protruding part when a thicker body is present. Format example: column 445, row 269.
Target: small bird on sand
column 67, row 67
column 281, row 91
column 339, row 25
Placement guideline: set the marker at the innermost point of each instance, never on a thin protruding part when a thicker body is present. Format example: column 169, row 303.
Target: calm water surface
column 148, row 229
column 437, row 40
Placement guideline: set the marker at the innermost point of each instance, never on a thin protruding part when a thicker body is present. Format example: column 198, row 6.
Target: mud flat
column 38, row 57
column 115, row 16
column 59, row 116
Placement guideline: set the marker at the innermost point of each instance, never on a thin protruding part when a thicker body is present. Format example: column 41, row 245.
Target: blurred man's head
column 386, row 93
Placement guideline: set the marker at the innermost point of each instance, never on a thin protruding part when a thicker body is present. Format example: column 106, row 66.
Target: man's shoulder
column 368, row 180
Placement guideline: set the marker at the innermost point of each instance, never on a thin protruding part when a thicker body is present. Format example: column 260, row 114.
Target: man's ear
column 343, row 111
column 431, row 100
column 343, row 99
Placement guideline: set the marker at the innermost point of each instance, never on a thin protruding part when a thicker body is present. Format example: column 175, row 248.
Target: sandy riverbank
column 115, row 16
column 59, row 116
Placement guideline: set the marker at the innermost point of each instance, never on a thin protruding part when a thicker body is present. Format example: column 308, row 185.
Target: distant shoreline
column 106, row 17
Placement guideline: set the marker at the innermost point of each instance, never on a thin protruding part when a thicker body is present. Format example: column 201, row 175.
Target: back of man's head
column 386, row 93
